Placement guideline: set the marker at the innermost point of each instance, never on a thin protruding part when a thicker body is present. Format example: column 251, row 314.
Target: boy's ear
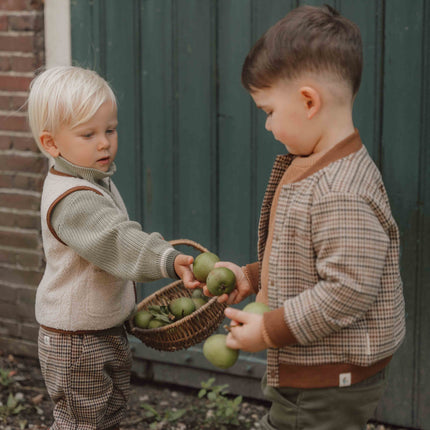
column 311, row 99
column 48, row 144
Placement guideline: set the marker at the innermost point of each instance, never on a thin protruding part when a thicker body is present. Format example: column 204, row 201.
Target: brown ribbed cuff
column 252, row 274
column 277, row 329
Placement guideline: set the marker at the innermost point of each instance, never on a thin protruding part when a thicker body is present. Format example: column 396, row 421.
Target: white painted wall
column 58, row 49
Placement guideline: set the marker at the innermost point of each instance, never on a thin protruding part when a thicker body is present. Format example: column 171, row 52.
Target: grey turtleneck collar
column 89, row 174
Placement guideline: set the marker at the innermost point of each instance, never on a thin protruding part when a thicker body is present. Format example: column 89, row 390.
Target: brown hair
column 307, row 39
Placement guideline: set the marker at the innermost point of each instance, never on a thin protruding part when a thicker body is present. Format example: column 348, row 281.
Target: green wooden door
column 194, row 157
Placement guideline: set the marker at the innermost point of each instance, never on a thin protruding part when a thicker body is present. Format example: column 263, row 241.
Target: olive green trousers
column 346, row 408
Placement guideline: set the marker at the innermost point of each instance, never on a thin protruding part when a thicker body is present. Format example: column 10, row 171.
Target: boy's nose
column 103, row 143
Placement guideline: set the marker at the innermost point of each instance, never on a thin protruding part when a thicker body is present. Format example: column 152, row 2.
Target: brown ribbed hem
column 277, row 329
column 252, row 274
column 266, row 338
column 326, row 375
column 112, row 331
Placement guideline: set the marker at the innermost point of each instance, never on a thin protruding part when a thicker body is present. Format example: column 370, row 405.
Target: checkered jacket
column 333, row 266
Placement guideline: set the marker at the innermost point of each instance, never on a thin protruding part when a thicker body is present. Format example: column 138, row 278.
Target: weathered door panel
column 194, row 156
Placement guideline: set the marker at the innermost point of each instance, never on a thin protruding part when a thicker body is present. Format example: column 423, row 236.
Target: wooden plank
column 157, row 98
column 234, row 136
column 423, row 374
column 81, row 31
column 368, row 15
column 122, row 70
column 264, row 147
column 400, row 167
column 195, row 152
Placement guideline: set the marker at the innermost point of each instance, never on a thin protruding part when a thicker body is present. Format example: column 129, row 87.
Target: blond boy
column 93, row 252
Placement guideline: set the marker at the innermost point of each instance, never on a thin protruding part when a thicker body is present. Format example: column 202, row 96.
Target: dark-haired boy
column 328, row 246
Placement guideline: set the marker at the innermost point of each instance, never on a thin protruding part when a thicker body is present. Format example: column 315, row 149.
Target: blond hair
column 65, row 95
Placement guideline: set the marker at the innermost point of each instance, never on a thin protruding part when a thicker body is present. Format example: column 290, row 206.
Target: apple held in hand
column 256, row 308
column 218, row 353
column 220, row 281
column 203, row 264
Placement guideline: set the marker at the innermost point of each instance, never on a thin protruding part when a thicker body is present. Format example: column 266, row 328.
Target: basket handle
column 189, row 243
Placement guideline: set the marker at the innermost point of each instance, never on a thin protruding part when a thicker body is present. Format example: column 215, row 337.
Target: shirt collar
column 345, row 147
column 93, row 175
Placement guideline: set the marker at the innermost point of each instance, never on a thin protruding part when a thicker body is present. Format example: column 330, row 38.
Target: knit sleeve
column 350, row 247
column 96, row 229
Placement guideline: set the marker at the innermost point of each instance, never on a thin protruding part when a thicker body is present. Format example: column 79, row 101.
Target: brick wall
column 22, row 169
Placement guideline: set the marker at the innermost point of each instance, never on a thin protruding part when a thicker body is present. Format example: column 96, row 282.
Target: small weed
column 7, row 377
column 168, row 416
column 12, row 407
column 223, row 410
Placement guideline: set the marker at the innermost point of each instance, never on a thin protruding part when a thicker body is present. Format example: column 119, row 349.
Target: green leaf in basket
column 162, row 317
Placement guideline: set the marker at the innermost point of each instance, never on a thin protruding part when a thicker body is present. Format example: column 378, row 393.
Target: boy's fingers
column 185, row 260
column 236, row 314
column 231, row 342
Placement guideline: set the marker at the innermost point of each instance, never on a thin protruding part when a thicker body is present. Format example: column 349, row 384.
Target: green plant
column 6, row 377
column 12, row 407
column 168, row 416
column 224, row 410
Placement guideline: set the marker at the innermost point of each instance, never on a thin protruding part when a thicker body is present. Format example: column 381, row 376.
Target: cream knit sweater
column 93, row 252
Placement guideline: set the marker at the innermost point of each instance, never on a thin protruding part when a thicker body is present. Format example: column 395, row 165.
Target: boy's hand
column 242, row 289
column 246, row 331
column 183, row 270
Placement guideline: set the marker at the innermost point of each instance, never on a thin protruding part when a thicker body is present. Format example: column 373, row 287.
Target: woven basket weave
column 187, row 331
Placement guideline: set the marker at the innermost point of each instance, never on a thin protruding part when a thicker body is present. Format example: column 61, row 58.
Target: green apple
column 220, row 280
column 142, row 319
column 218, row 353
column 182, row 307
column 256, row 308
column 203, row 264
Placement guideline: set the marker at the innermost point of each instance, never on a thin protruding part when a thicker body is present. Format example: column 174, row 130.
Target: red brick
column 7, row 310
column 23, row 277
column 20, row 63
column 22, row 221
column 14, row 83
column 21, row 143
column 17, row 239
column 5, row 63
column 25, row 144
column 13, row 162
column 8, row 294
column 20, row 5
column 21, row 42
column 9, row 327
column 16, row 258
column 30, row 331
column 3, row 22
column 26, row 310
column 13, row 102
column 19, row 201
column 23, row 182
column 13, row 122
column 5, row 142
column 27, row 22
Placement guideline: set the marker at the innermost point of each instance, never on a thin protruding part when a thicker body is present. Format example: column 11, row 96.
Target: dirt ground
column 25, row 404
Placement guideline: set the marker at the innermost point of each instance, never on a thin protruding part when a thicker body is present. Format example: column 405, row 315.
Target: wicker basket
column 187, row 331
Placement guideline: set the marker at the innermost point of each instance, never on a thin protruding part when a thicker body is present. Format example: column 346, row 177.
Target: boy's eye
column 111, row 131
column 87, row 135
